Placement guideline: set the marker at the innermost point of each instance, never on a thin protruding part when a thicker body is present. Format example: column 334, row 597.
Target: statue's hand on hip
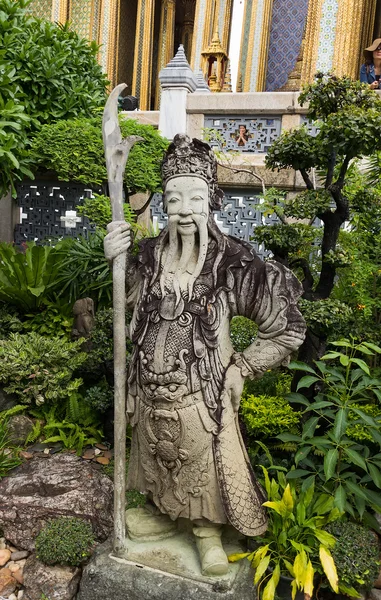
column 117, row 240
column 233, row 386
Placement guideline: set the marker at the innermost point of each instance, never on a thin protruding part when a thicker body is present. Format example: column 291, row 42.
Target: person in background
column 370, row 71
column 242, row 137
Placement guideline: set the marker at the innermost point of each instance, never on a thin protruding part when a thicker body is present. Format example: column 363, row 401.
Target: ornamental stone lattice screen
column 253, row 134
column 48, row 211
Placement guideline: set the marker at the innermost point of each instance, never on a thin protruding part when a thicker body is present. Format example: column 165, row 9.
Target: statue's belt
column 180, row 403
column 171, row 308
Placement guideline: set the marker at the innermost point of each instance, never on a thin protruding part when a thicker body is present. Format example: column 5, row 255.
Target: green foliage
column 283, row 239
column 272, row 383
column 74, row 150
column 308, row 204
column 65, row 541
column 267, row 416
column 47, row 72
column 348, row 470
column 50, row 321
column 357, row 431
column 100, row 397
column 325, row 316
column 134, row 499
column 8, row 456
column 25, row 278
column 295, row 149
column 295, row 542
column 242, row 333
column 9, row 320
column 39, row 369
column 72, row 422
column 356, row 554
column 84, row 270
column 98, row 211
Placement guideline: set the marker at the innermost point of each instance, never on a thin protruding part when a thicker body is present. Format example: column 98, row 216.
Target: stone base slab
column 109, row 577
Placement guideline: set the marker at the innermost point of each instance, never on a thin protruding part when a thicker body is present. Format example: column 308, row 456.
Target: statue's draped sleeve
column 267, row 293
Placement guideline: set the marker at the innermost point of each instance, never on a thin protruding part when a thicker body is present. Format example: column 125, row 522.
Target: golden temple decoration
column 227, row 87
column 355, row 20
column 166, row 40
column 294, row 79
column 315, row 9
column 254, row 66
column 215, row 61
column 142, row 76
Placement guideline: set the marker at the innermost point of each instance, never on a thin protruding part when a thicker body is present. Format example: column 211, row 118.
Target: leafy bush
column 347, row 469
column 8, row 456
column 73, row 423
column 98, row 211
column 9, row 320
column 356, row 555
column 100, row 397
column 26, row 278
column 47, row 73
column 84, row 270
column 74, row 150
column 50, row 321
column 65, row 541
column 39, row 369
column 268, row 416
column 295, row 543
column 325, row 316
column 242, row 333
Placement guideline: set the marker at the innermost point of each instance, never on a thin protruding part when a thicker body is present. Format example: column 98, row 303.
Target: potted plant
column 295, row 544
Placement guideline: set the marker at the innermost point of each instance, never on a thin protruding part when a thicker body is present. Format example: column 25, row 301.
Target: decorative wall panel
column 41, row 9
column 327, row 35
column 47, row 210
column 287, row 26
column 81, row 17
column 260, row 131
column 239, row 216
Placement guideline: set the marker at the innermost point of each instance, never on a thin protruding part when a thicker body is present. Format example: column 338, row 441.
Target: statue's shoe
column 144, row 526
column 214, row 561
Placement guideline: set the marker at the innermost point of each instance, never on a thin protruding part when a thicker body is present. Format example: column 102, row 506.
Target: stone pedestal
column 107, row 576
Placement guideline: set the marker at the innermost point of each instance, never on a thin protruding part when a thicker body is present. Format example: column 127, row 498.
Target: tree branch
column 308, row 281
column 238, row 170
column 306, row 179
column 330, row 171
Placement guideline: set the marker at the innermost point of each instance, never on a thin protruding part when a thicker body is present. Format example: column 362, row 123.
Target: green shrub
column 47, row 73
column 100, row 397
column 8, row 455
column 242, row 333
column 356, row 554
column 9, row 320
column 39, row 369
column 74, row 150
column 65, row 541
column 268, row 416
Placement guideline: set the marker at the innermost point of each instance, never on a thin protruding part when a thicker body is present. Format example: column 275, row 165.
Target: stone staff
column 116, row 152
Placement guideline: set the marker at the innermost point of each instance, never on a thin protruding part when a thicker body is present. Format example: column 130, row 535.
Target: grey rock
column 374, row 594
column 19, row 427
column 7, row 401
column 60, row 583
column 45, row 488
column 19, row 555
column 105, row 578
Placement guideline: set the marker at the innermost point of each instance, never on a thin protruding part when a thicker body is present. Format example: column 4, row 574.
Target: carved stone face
column 184, row 197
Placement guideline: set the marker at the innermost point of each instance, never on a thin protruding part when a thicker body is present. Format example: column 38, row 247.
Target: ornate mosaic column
column 108, row 36
column 255, row 44
column 166, row 39
column 336, row 33
column 354, row 31
column 222, row 21
column 141, row 83
column 202, row 33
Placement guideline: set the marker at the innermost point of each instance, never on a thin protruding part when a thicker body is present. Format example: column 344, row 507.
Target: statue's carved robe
column 187, row 451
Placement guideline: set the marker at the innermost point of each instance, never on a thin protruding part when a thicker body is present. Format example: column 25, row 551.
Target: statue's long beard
column 180, row 251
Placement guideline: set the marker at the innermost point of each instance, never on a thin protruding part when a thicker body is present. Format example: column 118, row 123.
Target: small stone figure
column 185, row 380
column 84, row 318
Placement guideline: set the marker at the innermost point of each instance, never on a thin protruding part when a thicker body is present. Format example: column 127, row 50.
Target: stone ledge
column 107, row 577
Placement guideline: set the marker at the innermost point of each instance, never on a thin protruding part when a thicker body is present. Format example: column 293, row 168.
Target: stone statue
column 185, row 380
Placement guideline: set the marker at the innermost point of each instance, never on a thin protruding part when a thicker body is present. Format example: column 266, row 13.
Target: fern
column 15, row 410
column 35, row 433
